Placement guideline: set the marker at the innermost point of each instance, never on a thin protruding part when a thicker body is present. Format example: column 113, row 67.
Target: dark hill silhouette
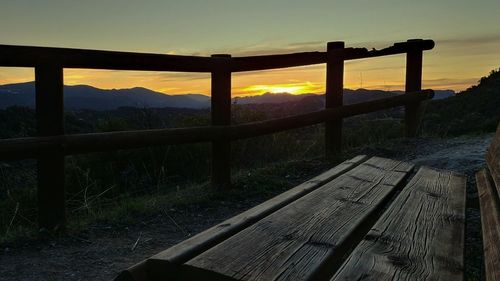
column 88, row 97
column 350, row 96
column 298, row 104
column 270, row 98
column 476, row 109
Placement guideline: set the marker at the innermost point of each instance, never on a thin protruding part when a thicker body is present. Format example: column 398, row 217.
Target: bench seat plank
column 490, row 221
column 493, row 160
column 297, row 241
column 164, row 264
column 419, row 237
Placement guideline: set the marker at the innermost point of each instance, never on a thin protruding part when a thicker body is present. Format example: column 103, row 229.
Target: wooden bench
column 488, row 187
column 367, row 218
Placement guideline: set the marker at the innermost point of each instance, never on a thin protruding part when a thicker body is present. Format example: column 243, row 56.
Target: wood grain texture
column 297, row 241
column 419, row 237
column 490, row 221
column 164, row 263
column 493, row 159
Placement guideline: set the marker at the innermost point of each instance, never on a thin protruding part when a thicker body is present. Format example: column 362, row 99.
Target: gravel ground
column 102, row 251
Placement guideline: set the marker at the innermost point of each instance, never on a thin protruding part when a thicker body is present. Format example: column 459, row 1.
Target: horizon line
column 237, row 95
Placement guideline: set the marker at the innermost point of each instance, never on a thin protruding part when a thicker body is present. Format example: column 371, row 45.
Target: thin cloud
column 267, row 49
column 307, row 44
column 449, row 82
column 471, row 41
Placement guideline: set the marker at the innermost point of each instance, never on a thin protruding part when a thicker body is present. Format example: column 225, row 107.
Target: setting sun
column 291, row 88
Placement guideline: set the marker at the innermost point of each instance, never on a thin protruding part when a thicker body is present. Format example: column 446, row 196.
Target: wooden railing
column 52, row 145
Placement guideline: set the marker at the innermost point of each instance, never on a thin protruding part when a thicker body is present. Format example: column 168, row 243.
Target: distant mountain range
column 88, row 97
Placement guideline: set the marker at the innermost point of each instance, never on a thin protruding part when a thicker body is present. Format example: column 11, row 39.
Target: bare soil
column 102, row 251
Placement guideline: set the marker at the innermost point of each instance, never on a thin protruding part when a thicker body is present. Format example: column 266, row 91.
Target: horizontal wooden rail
column 277, row 61
column 397, row 48
column 309, row 58
column 25, row 56
column 22, row 148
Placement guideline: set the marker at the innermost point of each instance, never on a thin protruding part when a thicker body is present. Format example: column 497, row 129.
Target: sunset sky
column 466, row 34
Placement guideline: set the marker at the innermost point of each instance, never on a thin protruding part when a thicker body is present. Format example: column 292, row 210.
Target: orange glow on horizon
column 381, row 74
column 291, row 88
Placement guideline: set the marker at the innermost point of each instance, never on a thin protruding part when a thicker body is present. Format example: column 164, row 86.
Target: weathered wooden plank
column 493, row 159
column 162, row 264
column 490, row 221
column 419, row 237
column 303, row 239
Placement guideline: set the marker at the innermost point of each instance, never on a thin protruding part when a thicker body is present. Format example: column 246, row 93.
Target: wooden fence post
column 334, row 96
column 413, row 83
column 50, row 121
column 221, row 116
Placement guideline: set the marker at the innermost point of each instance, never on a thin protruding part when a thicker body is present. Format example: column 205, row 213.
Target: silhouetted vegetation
column 113, row 185
column 475, row 110
column 102, row 184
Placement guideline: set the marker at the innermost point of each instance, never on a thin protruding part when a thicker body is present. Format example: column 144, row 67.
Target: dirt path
column 462, row 154
column 102, row 251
